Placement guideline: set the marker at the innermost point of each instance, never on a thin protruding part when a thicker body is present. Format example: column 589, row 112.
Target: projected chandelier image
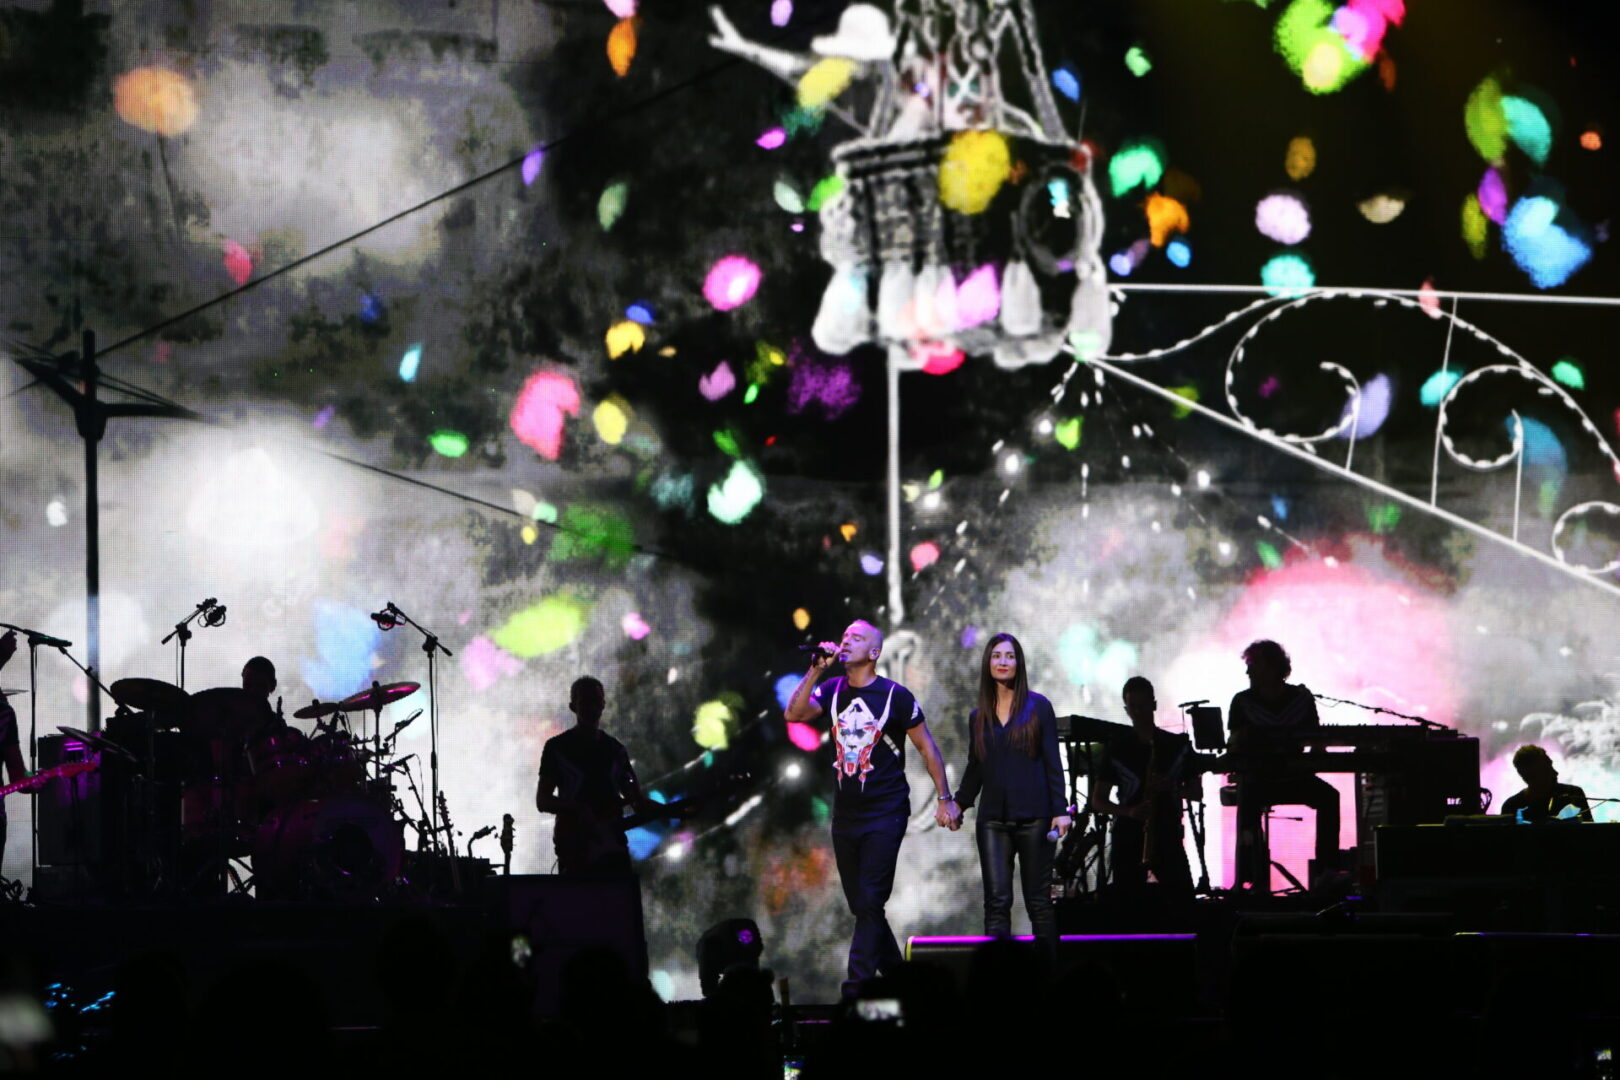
column 459, row 448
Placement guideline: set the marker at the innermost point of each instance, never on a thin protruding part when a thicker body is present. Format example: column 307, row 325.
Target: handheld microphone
column 818, row 650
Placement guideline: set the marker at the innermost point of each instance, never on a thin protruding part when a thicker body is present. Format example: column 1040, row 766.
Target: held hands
column 947, row 815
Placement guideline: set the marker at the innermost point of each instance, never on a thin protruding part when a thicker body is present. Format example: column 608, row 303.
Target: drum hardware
column 165, row 702
column 390, row 617
column 211, row 613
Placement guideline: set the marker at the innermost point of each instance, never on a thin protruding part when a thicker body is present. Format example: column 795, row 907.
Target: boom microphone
column 384, row 619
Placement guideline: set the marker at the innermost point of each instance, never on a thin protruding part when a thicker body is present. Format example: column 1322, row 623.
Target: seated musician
column 1151, row 771
column 586, row 780
column 259, row 682
column 1543, row 797
column 1267, row 723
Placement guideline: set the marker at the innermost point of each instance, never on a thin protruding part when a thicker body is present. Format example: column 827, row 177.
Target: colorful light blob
column 1547, row 252
column 713, row 723
column 324, row 417
column 450, row 444
column 1373, row 411
column 1528, row 127
column 1137, row 163
column 410, row 363
column 625, row 336
column 542, row 628
column 1300, row 160
column 1137, row 61
column 826, row 190
column 1179, row 252
column 1591, row 139
column 826, row 79
column 801, row 618
column 1568, row 372
column 1283, row 217
column 731, row 282
column 531, row 166
column 937, row 357
column 1437, row 386
column 717, row 383
column 1287, row 274
column 787, row 197
column 155, row 99
column 1476, row 227
column 803, row 736
column 771, row 139
column 1089, row 661
column 924, row 555
column 1492, row 194
column 1542, row 449
column 978, row 298
column 542, row 406
column 735, row 497
column 345, row 639
column 1066, row 82
column 1363, row 23
column 634, row 626
column 610, row 206
column 238, row 262
column 871, row 565
column 975, row 166
column 640, row 312
column 1322, row 59
column 781, row 12
column 783, row 689
column 611, row 419
column 832, row 387
column 623, row 9
column 1485, row 121
column 1381, row 209
column 484, row 663
column 1067, row 432
column 621, row 45
column 1165, row 216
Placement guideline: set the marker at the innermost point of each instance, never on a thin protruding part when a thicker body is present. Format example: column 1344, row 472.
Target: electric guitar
column 582, row 840
column 39, row 779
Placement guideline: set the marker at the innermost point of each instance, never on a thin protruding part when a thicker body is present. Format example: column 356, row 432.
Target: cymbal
column 149, row 695
column 317, row 710
column 379, row 695
column 225, row 712
column 98, row 742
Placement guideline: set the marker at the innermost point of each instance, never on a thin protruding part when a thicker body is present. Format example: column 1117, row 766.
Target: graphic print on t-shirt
column 856, row 732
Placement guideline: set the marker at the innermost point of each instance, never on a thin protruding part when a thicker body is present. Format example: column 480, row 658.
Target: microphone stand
column 432, row 646
column 182, row 631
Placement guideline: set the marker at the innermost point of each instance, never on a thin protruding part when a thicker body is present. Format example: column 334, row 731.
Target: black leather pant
column 999, row 843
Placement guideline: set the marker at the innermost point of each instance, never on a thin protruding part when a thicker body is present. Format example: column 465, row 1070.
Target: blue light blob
column 1067, row 82
column 345, row 638
column 1179, row 253
column 1537, row 233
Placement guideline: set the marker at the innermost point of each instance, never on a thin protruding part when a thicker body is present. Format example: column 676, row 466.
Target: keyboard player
column 1268, row 723
column 1543, row 797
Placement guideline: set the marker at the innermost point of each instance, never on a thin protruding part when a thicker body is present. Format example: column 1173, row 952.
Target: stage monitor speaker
column 69, row 808
column 564, row 916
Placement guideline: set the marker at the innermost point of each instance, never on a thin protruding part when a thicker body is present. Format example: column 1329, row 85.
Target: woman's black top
column 1009, row 785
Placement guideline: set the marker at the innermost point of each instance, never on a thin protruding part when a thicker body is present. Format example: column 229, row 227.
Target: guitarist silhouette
column 586, row 780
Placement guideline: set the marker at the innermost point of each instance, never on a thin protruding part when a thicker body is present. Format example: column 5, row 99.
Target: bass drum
column 343, row 848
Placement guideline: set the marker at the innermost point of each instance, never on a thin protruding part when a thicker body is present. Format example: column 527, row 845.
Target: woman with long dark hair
column 1015, row 777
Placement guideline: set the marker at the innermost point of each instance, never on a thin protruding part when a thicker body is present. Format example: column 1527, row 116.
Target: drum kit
column 317, row 812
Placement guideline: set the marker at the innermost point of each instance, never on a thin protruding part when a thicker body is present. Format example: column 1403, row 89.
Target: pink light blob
column 773, row 139
column 1493, row 198
column 546, row 399
column 1283, row 218
column 938, row 359
column 634, row 626
column 803, row 736
column 924, row 555
column 238, row 263
column 324, row 417
column 831, row 386
column 1363, row 23
column 781, row 12
column 624, row 9
column 1429, row 298
column 485, row 663
column 978, row 299
column 717, row 383
column 731, row 283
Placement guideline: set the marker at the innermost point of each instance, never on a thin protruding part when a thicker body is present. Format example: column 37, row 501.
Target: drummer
column 259, row 682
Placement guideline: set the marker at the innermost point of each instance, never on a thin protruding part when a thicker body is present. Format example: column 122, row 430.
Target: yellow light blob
column 848, row 529
column 976, row 164
column 801, row 619
column 530, row 534
column 156, row 100
column 612, row 419
column 825, row 81
column 621, row 45
column 1381, row 209
column 1475, row 226
column 1323, row 67
column 1165, row 216
column 623, row 337
column 1300, row 161
column 711, row 725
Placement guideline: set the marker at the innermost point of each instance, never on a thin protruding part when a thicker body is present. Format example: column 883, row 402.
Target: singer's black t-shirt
column 869, row 760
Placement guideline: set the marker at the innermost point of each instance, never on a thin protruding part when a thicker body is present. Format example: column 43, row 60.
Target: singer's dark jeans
column 999, row 843
column 867, row 854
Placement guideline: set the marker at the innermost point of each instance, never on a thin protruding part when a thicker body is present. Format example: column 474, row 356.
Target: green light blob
column 826, row 190
column 751, row 395
column 611, row 204
column 1186, row 393
column 1086, row 660
column 543, row 628
column 1313, row 50
column 1268, row 555
column 544, row 511
column 713, row 724
column 734, row 498
column 1569, row 373
column 452, row 444
column 726, row 440
column 1287, row 274
column 1528, row 127
column 1136, row 58
column 1067, row 432
column 588, row 532
column 1476, row 226
column 1137, row 163
column 1486, row 121
column 1383, row 517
